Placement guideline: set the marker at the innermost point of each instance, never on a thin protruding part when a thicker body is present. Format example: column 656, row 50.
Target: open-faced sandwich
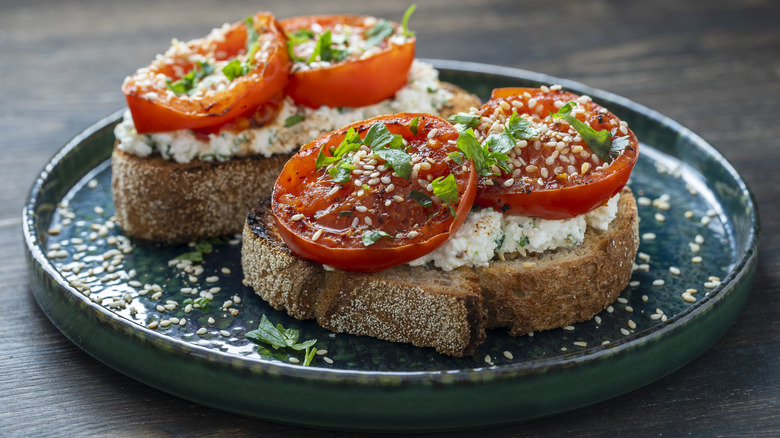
column 407, row 228
column 211, row 122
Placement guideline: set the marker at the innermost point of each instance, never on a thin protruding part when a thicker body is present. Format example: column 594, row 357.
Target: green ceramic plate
column 130, row 307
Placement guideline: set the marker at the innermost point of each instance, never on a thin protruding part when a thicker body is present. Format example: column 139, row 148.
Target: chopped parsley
column 325, row 51
column 384, row 144
column 295, row 38
column 379, row 33
column 464, row 121
column 280, row 338
column 294, row 120
column 371, row 237
column 598, row 141
column 446, row 189
column 421, row 198
column 413, row 125
column 190, row 81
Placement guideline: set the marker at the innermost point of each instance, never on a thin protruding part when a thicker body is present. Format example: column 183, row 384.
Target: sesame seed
column 581, row 344
column 224, row 333
column 165, row 323
column 389, row 188
column 622, row 300
column 674, row 270
column 328, row 360
column 624, row 332
column 648, row 236
column 361, row 208
column 688, row 297
column 569, row 328
column 691, row 291
column 643, row 257
column 629, row 309
column 368, row 221
column 688, row 214
column 212, row 279
column 509, row 182
column 398, row 199
column 201, row 331
column 658, row 282
column 696, row 259
column 711, row 284
column 316, row 235
column 631, row 324
column 297, row 217
column 597, row 319
column 152, row 325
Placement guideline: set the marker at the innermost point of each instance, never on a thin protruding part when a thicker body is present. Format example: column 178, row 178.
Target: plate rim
column 746, row 259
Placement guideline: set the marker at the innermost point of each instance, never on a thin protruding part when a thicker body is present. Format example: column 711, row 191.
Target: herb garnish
column 405, row 21
column 446, row 189
column 202, row 247
column 325, row 51
column 295, row 38
column 598, row 141
column 371, row 237
column 236, row 68
column 384, row 144
column 278, row 337
column 464, row 121
column 414, row 125
column 421, row 198
column 294, row 120
column 190, row 81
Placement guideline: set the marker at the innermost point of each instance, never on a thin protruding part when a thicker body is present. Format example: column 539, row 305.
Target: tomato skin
column 301, row 189
column 351, row 83
column 562, row 198
column 168, row 112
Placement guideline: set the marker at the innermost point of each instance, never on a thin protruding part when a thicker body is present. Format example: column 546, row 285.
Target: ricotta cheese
column 422, row 93
column 487, row 233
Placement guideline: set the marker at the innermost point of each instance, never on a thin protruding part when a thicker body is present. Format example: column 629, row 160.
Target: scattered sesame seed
column 688, row 297
column 674, row 270
column 610, row 309
column 581, row 344
column 328, row 360
column 201, row 331
column 629, row 309
column 622, row 300
column 152, row 325
column 633, row 283
column 597, row 319
column 569, row 328
column 648, row 236
column 696, row 259
column 508, row 355
column 316, row 235
column 224, row 333
column 631, row 324
column 659, row 282
column 624, row 332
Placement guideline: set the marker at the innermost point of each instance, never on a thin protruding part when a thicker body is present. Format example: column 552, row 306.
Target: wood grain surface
column 712, row 66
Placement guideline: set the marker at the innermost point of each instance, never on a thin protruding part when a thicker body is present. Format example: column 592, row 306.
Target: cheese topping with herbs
column 488, row 233
column 294, row 126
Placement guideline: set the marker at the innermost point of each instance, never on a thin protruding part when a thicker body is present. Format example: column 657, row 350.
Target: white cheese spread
column 486, row 233
column 422, row 93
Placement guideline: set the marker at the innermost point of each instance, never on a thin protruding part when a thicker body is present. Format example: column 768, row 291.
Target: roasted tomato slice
column 374, row 194
column 210, row 81
column 552, row 170
column 346, row 60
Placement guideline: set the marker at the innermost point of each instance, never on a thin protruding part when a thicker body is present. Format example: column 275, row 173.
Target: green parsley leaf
column 325, row 51
column 251, row 33
column 194, row 256
column 502, row 142
column 204, row 247
column 371, row 237
column 405, row 21
column 378, row 136
column 446, row 189
column 295, row 38
column 413, row 125
column 294, row 120
column 520, row 128
column 267, row 333
column 457, row 157
column 378, row 33
column 598, row 141
column 190, row 81
column 341, row 173
column 400, row 161
column 618, row 145
column 202, row 302
column 472, row 150
column 464, row 121
column 421, row 198
column 324, row 160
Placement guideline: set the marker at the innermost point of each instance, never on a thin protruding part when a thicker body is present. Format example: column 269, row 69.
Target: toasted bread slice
column 446, row 310
column 164, row 201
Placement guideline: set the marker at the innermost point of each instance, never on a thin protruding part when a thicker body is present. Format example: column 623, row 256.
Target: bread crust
column 164, row 201
column 446, row 310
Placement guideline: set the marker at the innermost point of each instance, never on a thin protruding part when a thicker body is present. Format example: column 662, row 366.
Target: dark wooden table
column 712, row 66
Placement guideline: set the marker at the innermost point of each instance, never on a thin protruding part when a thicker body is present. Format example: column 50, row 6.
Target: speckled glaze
column 377, row 385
